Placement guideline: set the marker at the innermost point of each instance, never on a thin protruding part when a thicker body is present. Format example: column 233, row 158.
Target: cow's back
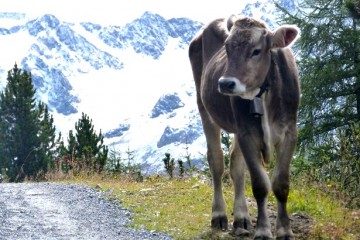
column 208, row 58
column 204, row 46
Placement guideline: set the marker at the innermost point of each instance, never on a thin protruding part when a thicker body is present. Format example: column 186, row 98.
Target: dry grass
column 182, row 207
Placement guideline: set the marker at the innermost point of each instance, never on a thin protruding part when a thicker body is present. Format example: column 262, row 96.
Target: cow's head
column 248, row 48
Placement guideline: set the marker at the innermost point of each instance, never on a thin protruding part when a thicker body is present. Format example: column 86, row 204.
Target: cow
column 247, row 84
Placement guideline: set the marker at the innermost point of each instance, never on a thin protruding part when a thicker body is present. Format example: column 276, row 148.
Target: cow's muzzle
column 230, row 85
column 233, row 86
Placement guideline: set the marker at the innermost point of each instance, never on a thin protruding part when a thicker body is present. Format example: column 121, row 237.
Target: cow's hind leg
column 242, row 223
column 281, row 183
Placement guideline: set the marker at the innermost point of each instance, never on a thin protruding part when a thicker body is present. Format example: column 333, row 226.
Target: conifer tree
column 5, row 157
column 27, row 130
column 353, row 6
column 169, row 164
column 49, row 143
column 329, row 66
column 88, row 145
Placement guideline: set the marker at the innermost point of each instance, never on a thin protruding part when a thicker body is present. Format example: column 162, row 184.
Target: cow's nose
column 226, row 85
column 231, row 86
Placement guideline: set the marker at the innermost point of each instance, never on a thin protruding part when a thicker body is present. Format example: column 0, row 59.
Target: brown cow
column 247, row 84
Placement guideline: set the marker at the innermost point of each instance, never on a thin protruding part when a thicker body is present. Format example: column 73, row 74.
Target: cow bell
column 256, row 107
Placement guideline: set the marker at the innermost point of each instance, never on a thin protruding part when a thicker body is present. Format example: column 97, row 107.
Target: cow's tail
column 266, row 154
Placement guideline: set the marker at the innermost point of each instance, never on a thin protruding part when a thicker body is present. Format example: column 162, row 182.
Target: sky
column 106, row 12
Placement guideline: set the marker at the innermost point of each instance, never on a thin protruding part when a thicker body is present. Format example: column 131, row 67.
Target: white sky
column 120, row 12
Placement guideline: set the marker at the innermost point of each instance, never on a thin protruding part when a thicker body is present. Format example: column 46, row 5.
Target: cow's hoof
column 242, row 223
column 263, row 238
column 285, row 238
column 263, row 234
column 220, row 223
column 284, row 234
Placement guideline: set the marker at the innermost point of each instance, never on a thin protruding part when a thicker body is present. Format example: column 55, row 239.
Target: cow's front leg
column 281, row 183
column 216, row 163
column 250, row 147
column 242, row 223
column 215, row 158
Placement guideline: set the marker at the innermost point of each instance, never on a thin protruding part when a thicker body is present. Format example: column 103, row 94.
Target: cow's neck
column 256, row 105
column 264, row 87
column 266, row 84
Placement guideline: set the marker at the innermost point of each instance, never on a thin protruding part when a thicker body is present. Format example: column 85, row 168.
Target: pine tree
column 169, row 164
column 49, row 143
column 88, row 145
column 26, row 128
column 115, row 162
column 130, row 157
column 5, row 157
column 353, row 7
column 329, row 66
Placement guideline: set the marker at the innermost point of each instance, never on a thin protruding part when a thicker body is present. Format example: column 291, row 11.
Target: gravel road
column 63, row 211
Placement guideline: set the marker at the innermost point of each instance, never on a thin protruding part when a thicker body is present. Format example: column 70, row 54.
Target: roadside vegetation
column 181, row 207
column 179, row 201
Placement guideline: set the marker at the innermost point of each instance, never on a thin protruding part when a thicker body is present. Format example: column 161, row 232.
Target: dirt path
column 63, row 211
column 300, row 224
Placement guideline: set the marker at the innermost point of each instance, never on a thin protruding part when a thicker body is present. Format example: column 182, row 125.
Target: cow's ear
column 284, row 36
column 230, row 22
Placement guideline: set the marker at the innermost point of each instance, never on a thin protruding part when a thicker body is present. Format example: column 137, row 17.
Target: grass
column 182, row 207
column 331, row 219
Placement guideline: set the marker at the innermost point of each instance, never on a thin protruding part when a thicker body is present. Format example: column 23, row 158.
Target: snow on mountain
column 134, row 80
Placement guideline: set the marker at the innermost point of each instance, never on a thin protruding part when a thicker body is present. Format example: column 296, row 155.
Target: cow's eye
column 256, row 52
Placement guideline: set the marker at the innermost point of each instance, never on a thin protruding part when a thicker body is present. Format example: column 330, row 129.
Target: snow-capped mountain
column 134, row 81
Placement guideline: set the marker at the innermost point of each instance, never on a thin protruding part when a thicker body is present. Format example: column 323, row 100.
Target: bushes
column 120, row 166
column 190, row 169
column 169, row 164
column 334, row 163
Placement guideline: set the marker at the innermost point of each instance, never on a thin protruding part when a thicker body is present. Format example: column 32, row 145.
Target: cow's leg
column 216, row 164
column 281, row 183
column 237, row 171
column 215, row 158
column 250, row 146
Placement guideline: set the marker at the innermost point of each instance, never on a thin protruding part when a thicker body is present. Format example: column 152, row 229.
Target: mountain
column 134, row 81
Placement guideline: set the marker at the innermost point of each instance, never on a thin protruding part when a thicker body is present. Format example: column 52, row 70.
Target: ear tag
column 256, row 107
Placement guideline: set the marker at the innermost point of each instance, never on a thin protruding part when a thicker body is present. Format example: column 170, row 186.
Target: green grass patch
column 182, row 208
column 331, row 219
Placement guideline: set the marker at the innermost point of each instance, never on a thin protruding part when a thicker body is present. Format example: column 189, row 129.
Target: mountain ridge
column 93, row 68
